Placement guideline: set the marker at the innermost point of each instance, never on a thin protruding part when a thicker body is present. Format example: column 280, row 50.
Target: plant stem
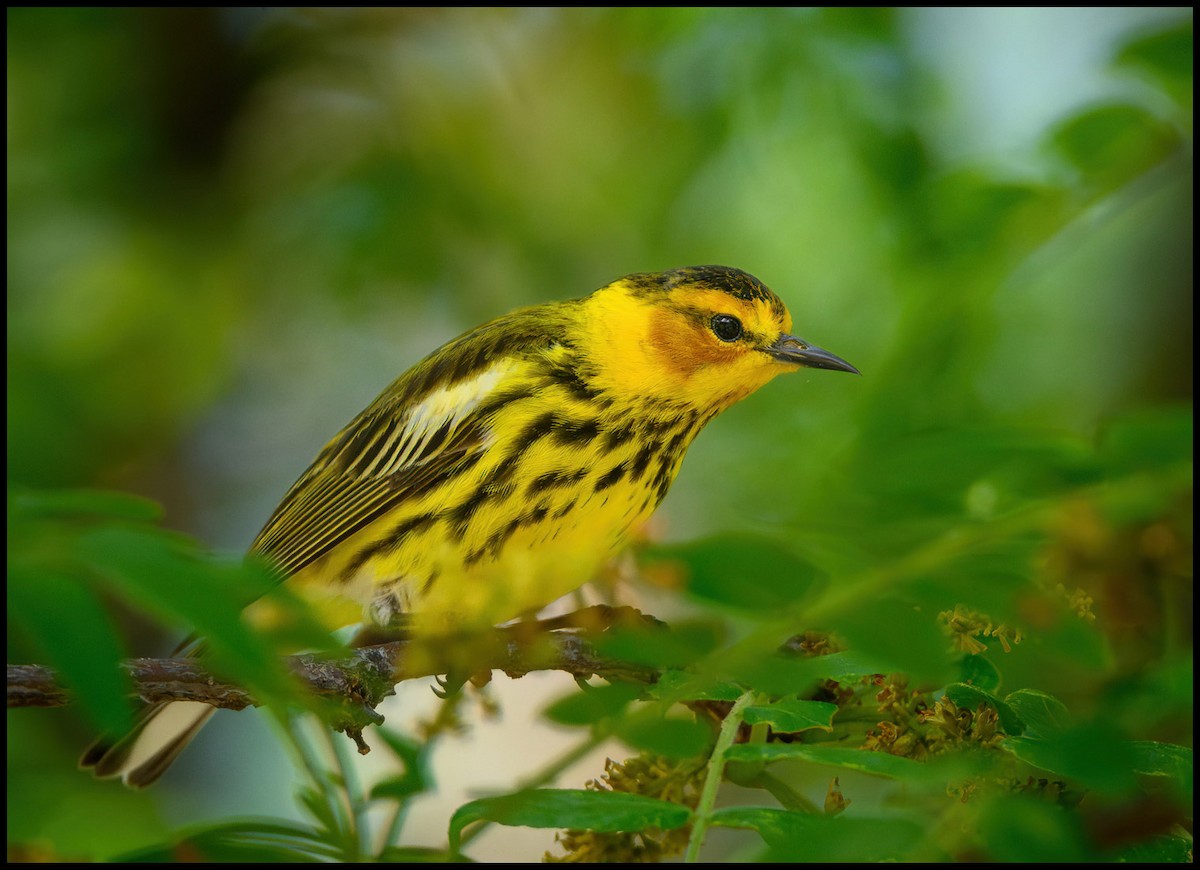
column 294, row 728
column 391, row 831
column 352, row 790
column 712, row 780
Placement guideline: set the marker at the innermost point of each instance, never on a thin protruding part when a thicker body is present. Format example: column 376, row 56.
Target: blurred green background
column 229, row 229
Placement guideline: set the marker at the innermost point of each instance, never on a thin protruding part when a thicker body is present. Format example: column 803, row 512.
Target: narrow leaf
column 877, row 763
column 412, row 755
column 242, row 842
column 82, row 503
column 569, row 808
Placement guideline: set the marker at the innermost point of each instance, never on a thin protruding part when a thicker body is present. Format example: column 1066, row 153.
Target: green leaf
column 1043, row 715
column 876, row 763
column 1156, row 850
column 169, row 576
column 413, row 756
column 316, row 805
column 28, row 504
column 242, row 842
column 49, row 797
column 570, row 808
column 593, row 704
column 843, row 665
column 775, row 673
column 1111, row 144
column 100, row 541
column 792, row 715
column 74, row 633
column 418, row 855
column 979, row 671
column 970, row 697
column 676, row 685
column 1016, row 829
column 1169, row 50
column 752, row 572
column 902, row 635
column 982, row 470
column 771, row 672
column 1152, row 758
column 678, row 646
column 988, row 578
column 1167, row 57
column 1161, row 438
column 813, row 838
column 971, row 210
column 1094, row 754
column 671, row 737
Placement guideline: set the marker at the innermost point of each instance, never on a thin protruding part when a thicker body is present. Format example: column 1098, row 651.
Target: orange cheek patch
column 684, row 346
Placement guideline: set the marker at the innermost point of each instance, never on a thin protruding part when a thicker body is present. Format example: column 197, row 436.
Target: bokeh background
column 229, row 229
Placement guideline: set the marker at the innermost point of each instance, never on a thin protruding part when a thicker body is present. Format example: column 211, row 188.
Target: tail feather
column 144, row 754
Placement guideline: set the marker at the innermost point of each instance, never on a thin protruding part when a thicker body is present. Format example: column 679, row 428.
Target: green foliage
column 242, row 842
column 796, row 837
column 68, row 549
column 965, row 695
column 56, row 813
column 567, row 808
column 877, row 763
column 595, row 704
column 1112, row 145
column 960, row 586
column 1017, row 829
column 1166, row 57
column 746, row 571
column 792, row 716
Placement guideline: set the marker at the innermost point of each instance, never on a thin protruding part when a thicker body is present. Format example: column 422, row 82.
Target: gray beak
column 796, row 350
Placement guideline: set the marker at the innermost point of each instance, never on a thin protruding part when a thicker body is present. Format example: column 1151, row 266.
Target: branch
column 359, row 681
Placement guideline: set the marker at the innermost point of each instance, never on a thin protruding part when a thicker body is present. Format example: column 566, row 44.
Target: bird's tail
column 143, row 754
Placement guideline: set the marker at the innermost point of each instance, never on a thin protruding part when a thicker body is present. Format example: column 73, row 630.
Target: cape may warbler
column 500, row 472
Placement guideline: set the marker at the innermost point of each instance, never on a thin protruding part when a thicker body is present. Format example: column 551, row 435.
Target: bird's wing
column 414, row 435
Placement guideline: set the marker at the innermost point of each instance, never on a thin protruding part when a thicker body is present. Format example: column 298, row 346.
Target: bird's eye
column 726, row 327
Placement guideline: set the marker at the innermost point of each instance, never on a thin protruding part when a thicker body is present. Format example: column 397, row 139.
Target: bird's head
column 704, row 336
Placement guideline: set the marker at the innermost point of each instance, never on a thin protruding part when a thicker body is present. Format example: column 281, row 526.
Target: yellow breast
column 552, row 499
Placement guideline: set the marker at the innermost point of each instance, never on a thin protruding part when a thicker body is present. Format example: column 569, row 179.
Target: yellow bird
column 505, row 468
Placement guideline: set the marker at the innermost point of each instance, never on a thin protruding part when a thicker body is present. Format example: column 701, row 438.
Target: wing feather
column 391, row 453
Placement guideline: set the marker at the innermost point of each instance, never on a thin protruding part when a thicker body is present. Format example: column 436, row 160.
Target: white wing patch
column 388, row 454
column 436, row 416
